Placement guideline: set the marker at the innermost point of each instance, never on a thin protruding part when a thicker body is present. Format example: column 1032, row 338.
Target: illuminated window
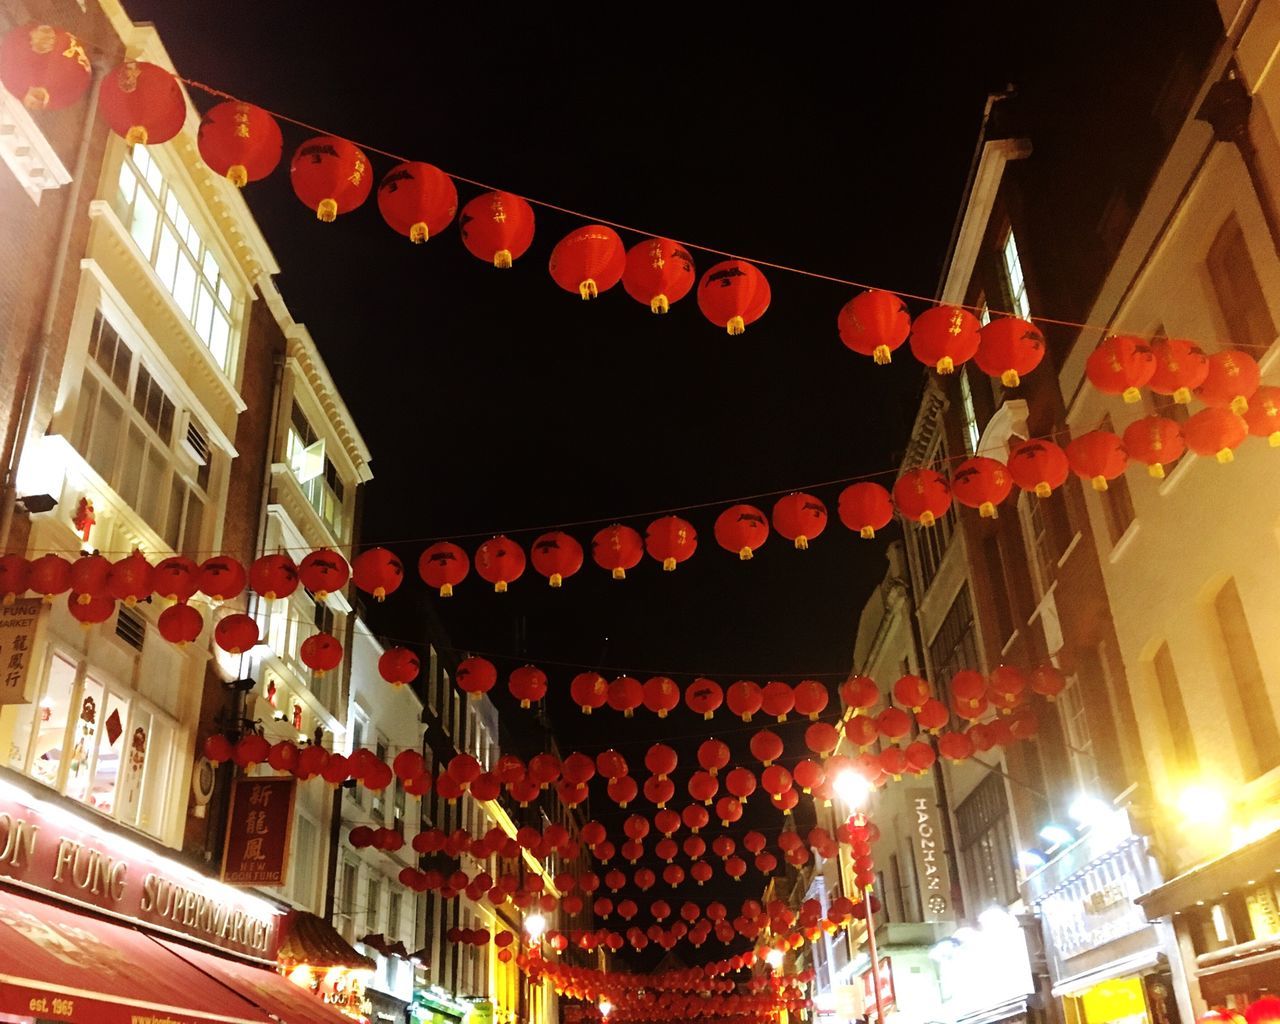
column 1262, row 753
column 1075, row 723
column 392, row 931
column 971, row 431
column 315, row 473
column 1014, row 279
column 955, row 645
column 171, row 243
column 985, row 839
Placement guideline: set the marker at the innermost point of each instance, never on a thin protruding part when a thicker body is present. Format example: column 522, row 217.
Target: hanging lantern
column 527, row 684
column 222, row 578
column 661, row 695
column 1048, row 681
column 625, row 695
column 1215, row 432
column 695, row 817
column 142, row 103
column 622, row 790
column 399, row 666
column 911, row 692
column 1181, row 367
column 236, row 633
column 874, row 323
column 44, row 66
column 860, row 694
column 324, row 572
column 48, row 576
column 809, row 774
column 713, row 755
column 945, row 337
column 920, row 757
column 14, row 574
column 932, row 715
column 330, row 175
column 775, row 780
column 658, row 272
column 893, row 762
column 89, row 578
column 497, row 227
column 610, row 763
column 703, row 787
column 822, row 738
column 1232, row 379
column 251, row 750
column 500, row 561
column 617, row 548
column 981, row 483
column 1006, row 687
column 556, row 555
column 659, row 791
column 810, row 699
column 1263, row 417
column 733, row 294
column 955, row 746
column 589, row 691
column 1154, row 441
column 174, row 579
column 94, row 611
column 893, row 724
column 766, row 747
column 443, row 566
column 661, row 760
column 865, row 507
column 777, row 699
column 741, row 529
column 741, row 783
column 377, row 572
column 670, row 540
column 729, row 810
column 128, row 580
column 744, row 698
column 1097, row 456
column 703, row 697
column 968, row 692
column 321, row 652
column 1121, row 365
column 1038, row 465
column 1009, row 348
column 273, row 576
column 240, row 142
column 588, row 261
column 922, row 495
column 180, row 624
column 417, row 200
column 799, row 518
column 476, row 677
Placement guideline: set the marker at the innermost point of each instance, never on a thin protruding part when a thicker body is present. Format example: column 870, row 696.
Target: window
column 1075, row 727
column 1015, row 281
column 302, row 880
column 1117, row 501
column 1002, row 590
column 986, row 844
column 170, row 242
column 345, row 918
column 971, row 432
column 1181, row 738
column 378, row 806
column 1039, row 540
column 1246, row 673
column 393, row 916
column 1238, row 291
column 316, row 475
column 373, row 904
column 955, row 645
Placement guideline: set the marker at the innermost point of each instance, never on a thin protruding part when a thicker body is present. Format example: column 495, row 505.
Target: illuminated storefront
column 434, row 1005
column 985, row 973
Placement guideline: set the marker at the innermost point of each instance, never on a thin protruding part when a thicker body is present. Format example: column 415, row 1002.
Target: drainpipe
column 29, row 382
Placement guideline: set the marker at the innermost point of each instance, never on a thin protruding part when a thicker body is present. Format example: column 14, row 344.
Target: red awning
column 56, row 964
column 273, row 992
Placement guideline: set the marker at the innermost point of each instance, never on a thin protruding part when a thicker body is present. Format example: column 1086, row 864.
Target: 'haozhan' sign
column 930, row 856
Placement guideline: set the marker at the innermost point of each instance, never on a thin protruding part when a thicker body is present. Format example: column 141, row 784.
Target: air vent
column 196, row 444
column 131, row 628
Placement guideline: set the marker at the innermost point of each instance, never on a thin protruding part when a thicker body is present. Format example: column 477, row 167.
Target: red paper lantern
column 475, row 677
column 703, row 787
column 222, row 578
column 893, row 723
column 14, row 575
column 273, row 576
column 323, row 572
column 175, row 579
column 556, row 555
column 1263, row 416
column 1232, row 379
column 622, row 790
column 670, row 540
column 1009, row 348
column 1006, row 687
column 321, row 652
column 703, row 697
column 811, row 699
column 1181, row 367
column 500, row 561
column 860, row 693
column 1155, row 442
column 625, row 695
column 741, row 783
column 744, row 698
column 741, row 529
column 809, row 774
column 968, row 690
column 766, row 747
column 443, row 566
column 142, row 103
column 1048, row 681
column 932, row 715
column 239, row 141
column 981, row 483
column 661, row 760
column 893, row 762
column 527, row 684
column 588, row 260
column 659, row 791
column 330, row 175
column 49, row 575
column 955, row 746
column 399, row 666
column 417, row 200
column 497, row 227
column 236, row 633
column 128, row 580
column 180, row 624
column 252, row 749
column 775, row 780
column 377, row 572
column 617, row 548
column 97, row 609
column 661, row 695
column 874, row 323
column 822, row 738
column 777, row 699
column 1038, row 465
column 945, row 337
column 312, row 761
column 1215, row 432
column 920, row 757
column 1121, row 365
column 695, row 817
column 733, row 294
column 1097, row 456
column 922, row 495
column 799, row 518
column 713, row 755
column 44, row 66
column 589, row 691
column 658, row 272
column 911, row 692
column 728, row 810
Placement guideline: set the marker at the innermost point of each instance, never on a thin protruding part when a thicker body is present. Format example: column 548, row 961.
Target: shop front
column 985, row 973
column 1107, row 961
column 100, row 926
column 434, row 1005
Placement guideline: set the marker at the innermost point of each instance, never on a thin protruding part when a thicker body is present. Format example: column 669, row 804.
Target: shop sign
column 881, row 978
column 51, row 849
column 930, row 857
column 1264, row 912
column 259, row 828
column 18, row 623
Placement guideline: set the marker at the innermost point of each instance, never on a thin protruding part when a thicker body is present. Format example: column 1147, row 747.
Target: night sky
column 494, row 401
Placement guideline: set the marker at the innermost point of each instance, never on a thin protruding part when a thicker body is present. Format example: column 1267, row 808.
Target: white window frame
column 1075, row 728
column 1014, row 277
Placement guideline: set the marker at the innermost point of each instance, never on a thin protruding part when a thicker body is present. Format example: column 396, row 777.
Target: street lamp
column 853, row 789
column 534, row 926
column 774, row 958
column 606, row 1008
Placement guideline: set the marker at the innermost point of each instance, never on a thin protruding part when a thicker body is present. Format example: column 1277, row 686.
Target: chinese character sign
column 17, row 637
column 258, row 832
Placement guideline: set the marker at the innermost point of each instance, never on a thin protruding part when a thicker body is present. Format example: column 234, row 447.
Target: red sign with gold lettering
column 258, row 832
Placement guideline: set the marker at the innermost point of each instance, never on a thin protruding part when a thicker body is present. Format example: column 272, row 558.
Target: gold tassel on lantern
column 619, row 573
column 1156, row 470
column 556, row 579
column 418, row 232
column 500, row 587
column 669, row 564
column 446, row 590
column 36, row 98
column 502, row 259
column 327, row 211
column 1132, row 395
column 744, row 554
column 587, row 289
column 1239, row 405
column 1099, row 483
column 736, row 325
column 659, row 304
column 1182, row 396
column 238, row 175
column 926, row 518
column 136, row 135
column 987, row 510
column 802, row 543
column 1010, row 378
column 882, row 355
column 1225, row 455
column 946, row 365
column 1043, row 490
column 867, row 533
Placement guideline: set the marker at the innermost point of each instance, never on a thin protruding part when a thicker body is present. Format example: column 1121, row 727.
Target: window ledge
column 26, row 151
column 1046, row 599
column 1075, row 542
column 1124, row 542
column 1174, row 479
column 1009, row 644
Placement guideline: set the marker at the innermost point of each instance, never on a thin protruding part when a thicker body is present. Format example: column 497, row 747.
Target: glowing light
column 852, row 788
column 1032, row 860
column 534, row 926
column 997, row 919
column 1203, row 804
column 1056, row 835
column 1087, row 811
column 774, row 958
column 606, row 1007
